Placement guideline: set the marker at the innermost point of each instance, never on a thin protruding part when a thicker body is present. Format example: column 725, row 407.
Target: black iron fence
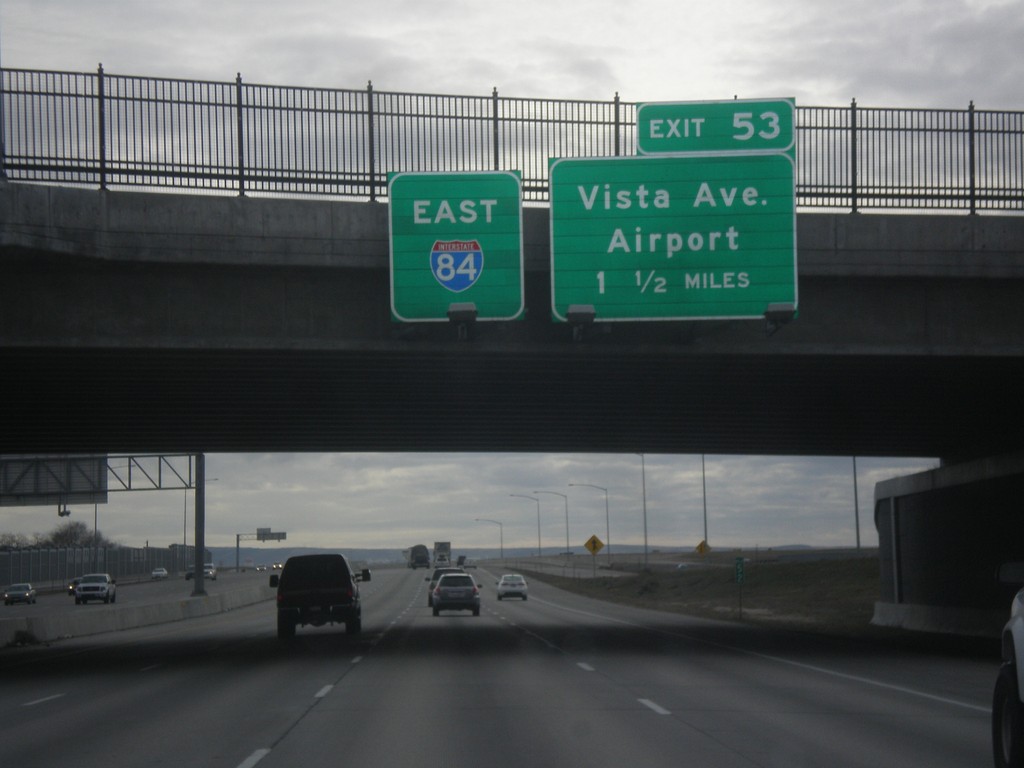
column 114, row 131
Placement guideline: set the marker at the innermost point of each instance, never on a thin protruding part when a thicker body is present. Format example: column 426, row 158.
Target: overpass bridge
column 159, row 322
column 154, row 322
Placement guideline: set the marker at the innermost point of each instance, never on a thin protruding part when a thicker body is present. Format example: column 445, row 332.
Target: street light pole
column 607, row 518
column 184, row 531
column 856, row 503
column 643, row 480
column 501, row 534
column 704, row 490
column 566, row 500
column 537, row 502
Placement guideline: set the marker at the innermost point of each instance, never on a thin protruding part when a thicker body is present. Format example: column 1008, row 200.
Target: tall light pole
column 184, row 517
column 566, row 500
column 95, row 554
column 537, row 502
column 501, row 533
column 643, row 481
column 184, row 530
column 607, row 518
column 704, row 488
column 856, row 502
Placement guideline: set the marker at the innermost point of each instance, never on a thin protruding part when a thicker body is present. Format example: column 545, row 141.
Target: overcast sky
column 396, row 500
column 916, row 53
column 912, row 53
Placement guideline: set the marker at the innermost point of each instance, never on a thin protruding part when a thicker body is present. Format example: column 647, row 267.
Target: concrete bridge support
column 942, row 536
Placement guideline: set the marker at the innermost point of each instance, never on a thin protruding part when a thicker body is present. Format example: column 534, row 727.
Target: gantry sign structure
column 88, row 478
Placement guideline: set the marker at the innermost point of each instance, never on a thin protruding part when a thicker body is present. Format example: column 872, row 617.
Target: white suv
column 96, row 586
column 1007, row 705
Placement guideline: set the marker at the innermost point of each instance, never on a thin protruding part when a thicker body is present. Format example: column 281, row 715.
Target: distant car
column 261, row 568
column 19, row 593
column 96, row 586
column 278, row 566
column 1007, row 704
column 158, row 573
column 512, row 585
column 456, row 592
column 72, row 584
column 437, row 574
column 209, row 572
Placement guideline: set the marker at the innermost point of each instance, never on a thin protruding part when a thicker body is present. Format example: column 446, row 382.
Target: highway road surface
column 558, row 680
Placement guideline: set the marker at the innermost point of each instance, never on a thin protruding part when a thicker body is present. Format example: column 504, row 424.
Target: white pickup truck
column 1007, row 705
column 96, row 586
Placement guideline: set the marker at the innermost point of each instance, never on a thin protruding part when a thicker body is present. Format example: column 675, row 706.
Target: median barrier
column 26, row 630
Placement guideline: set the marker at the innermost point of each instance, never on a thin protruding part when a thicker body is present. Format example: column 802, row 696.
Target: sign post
column 456, row 239
column 739, row 583
column 593, row 545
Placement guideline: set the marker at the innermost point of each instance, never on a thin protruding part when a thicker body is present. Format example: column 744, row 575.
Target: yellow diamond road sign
column 594, row 544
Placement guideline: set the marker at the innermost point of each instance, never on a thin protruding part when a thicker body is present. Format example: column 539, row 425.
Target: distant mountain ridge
column 224, row 557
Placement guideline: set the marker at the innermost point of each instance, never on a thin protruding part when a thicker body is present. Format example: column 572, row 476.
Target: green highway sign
column 673, row 237
column 741, row 125
column 456, row 238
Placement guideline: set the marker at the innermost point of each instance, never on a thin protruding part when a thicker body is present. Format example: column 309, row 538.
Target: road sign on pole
column 673, row 237
column 456, row 238
column 740, row 125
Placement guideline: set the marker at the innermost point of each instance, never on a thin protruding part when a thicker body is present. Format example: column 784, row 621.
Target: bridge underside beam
column 454, row 397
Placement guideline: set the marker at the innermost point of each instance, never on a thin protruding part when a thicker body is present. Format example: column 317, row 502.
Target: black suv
column 317, row 590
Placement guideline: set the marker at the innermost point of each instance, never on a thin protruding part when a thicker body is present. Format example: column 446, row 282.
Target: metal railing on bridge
column 119, row 131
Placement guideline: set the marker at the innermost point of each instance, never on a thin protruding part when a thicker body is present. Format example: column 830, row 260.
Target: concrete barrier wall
column 114, row 618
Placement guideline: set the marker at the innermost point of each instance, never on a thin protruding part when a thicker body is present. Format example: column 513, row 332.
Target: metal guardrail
column 114, row 131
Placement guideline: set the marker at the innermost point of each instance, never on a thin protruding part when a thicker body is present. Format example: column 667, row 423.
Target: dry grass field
column 832, row 595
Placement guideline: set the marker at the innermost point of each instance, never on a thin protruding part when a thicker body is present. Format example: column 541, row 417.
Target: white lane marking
column 869, row 681
column 585, row 667
column 254, row 758
column 150, row 668
column 323, row 691
column 651, row 705
column 780, row 660
column 44, row 699
column 357, row 659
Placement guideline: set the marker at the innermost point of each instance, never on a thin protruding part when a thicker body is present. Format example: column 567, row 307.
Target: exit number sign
column 741, row 125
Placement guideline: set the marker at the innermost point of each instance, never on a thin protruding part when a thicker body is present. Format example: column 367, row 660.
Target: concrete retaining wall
column 943, row 535
column 114, row 618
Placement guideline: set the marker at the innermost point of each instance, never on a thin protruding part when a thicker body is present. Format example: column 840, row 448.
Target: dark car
column 318, row 590
column 433, row 578
column 19, row 593
column 456, row 592
column 72, row 584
